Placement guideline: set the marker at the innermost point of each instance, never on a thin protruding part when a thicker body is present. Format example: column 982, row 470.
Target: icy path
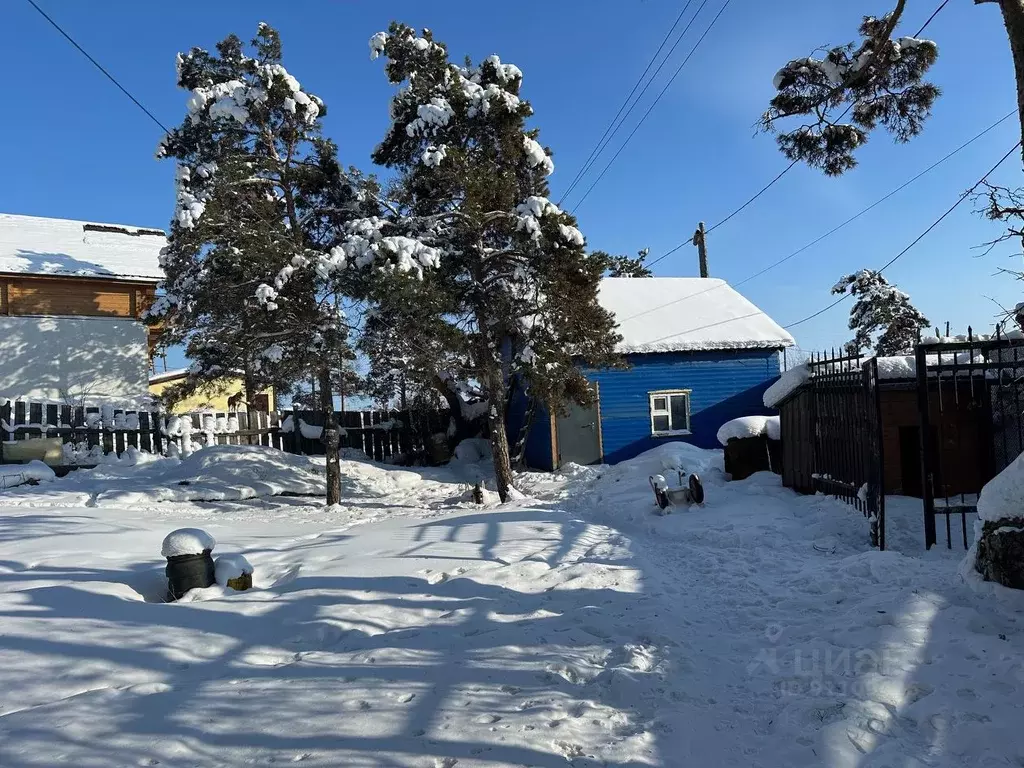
column 793, row 643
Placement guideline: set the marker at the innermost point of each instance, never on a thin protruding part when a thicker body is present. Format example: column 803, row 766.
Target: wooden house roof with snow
column 687, row 314
column 43, row 247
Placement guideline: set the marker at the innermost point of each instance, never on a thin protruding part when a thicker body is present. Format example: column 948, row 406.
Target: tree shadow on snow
column 354, row 670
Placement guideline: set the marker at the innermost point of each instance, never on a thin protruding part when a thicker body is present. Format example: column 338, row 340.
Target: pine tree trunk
column 499, row 439
column 250, row 391
column 331, row 438
column 1013, row 17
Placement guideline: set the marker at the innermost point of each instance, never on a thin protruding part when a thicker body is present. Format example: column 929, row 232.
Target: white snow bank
column 310, row 431
column 473, row 450
column 748, row 426
column 187, row 541
column 1003, row 496
column 774, row 428
column 19, row 474
column 787, row 384
column 228, row 567
column 214, row 473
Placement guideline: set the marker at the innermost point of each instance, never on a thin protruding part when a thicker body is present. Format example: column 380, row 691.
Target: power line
column 656, row 100
column 98, row 66
column 785, row 170
column 601, row 144
column 848, row 221
column 919, row 238
column 712, row 228
column 932, row 18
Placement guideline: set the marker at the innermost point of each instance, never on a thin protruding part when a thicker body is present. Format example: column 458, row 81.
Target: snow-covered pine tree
column 879, row 80
column 882, row 316
column 515, row 287
column 254, row 272
column 626, row 266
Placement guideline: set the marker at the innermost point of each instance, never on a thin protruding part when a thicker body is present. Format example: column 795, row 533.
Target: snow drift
column 216, row 473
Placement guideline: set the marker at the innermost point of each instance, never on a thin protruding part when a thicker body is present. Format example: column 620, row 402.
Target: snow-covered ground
column 409, row 627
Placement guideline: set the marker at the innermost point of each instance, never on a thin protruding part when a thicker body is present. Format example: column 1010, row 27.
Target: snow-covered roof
column 176, row 373
column 31, row 245
column 675, row 314
column 787, row 384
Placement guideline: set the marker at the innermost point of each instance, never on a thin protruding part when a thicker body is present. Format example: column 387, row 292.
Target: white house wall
column 74, row 359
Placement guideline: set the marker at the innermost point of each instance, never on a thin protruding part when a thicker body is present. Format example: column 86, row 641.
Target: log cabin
column 72, row 294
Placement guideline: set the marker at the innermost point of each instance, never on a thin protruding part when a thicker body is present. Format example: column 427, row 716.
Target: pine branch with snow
column 625, row 266
column 878, row 81
column 882, row 316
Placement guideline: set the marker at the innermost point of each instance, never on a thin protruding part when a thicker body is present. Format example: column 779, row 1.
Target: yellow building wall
column 211, row 397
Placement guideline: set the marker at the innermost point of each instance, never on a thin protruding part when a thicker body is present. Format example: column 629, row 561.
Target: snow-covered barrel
column 747, row 445
column 189, row 562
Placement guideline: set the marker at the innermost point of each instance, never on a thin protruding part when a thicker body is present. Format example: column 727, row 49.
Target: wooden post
column 700, row 240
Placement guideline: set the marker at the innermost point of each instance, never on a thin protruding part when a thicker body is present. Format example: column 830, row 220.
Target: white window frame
column 668, row 393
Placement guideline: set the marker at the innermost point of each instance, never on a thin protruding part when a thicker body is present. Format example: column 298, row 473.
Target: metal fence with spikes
column 847, row 434
column 970, row 389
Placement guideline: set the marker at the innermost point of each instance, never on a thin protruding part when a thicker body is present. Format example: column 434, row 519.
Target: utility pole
column 700, row 240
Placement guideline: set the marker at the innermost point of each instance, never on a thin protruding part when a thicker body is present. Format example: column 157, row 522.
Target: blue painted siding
column 537, row 454
column 538, row 442
column 724, row 386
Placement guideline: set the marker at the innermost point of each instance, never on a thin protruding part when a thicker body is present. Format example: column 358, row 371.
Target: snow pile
column 187, row 541
column 905, row 366
column 774, row 428
column 1003, row 496
column 12, row 475
column 230, row 567
column 786, row 385
column 748, row 426
column 215, row 473
column 473, row 450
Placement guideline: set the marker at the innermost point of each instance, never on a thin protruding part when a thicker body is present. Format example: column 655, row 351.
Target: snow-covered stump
column 189, row 562
column 1000, row 547
column 233, row 572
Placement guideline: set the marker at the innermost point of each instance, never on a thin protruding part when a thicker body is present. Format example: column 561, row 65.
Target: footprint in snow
column 437, row 578
column 568, row 750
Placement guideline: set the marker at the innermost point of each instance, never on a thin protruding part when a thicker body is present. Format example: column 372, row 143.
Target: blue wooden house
column 700, row 355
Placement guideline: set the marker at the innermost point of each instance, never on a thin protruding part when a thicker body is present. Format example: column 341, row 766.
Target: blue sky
column 77, row 148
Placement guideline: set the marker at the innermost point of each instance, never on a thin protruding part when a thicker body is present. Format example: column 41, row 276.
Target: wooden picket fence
column 89, row 432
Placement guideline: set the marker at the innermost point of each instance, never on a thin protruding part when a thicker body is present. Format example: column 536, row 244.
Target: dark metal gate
column 970, row 395
column 848, row 436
